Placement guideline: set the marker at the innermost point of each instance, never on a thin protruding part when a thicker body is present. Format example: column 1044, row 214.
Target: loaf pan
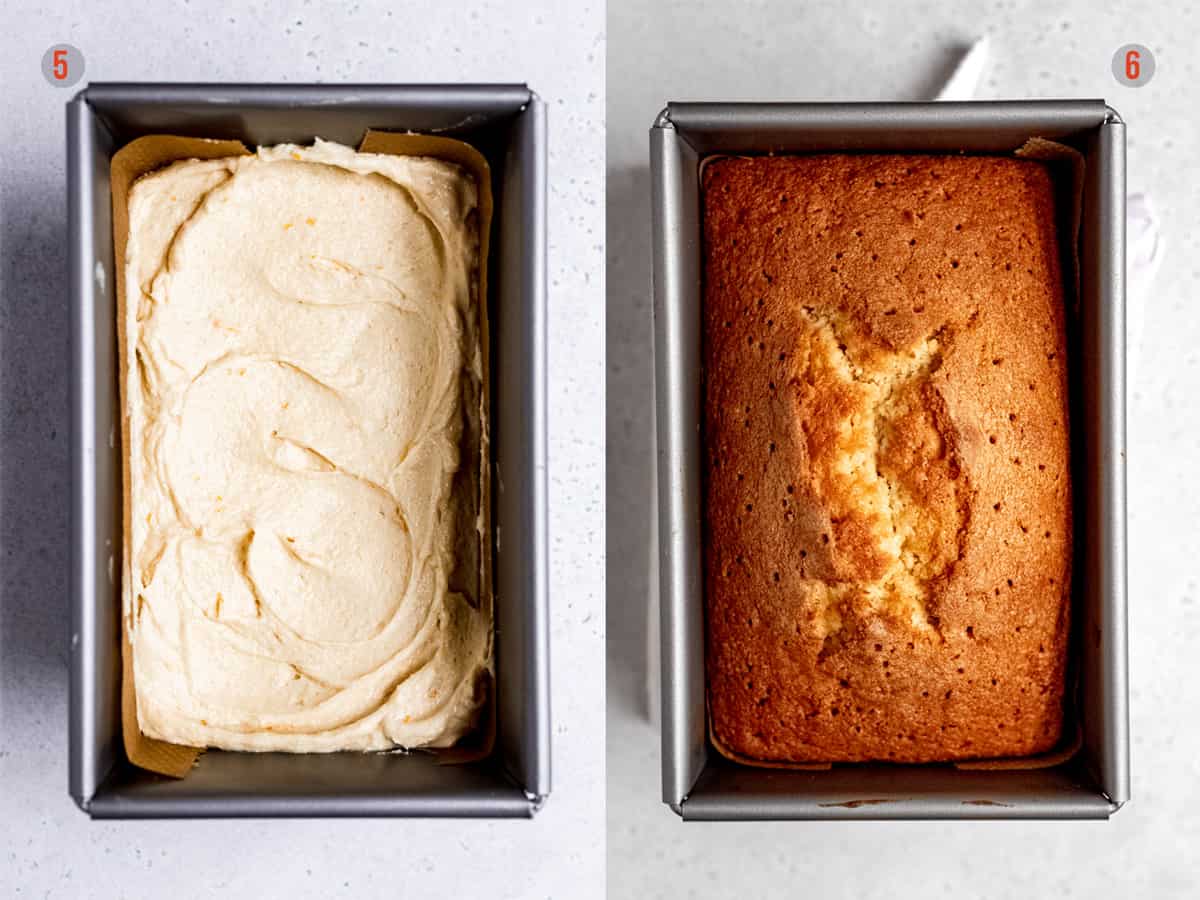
column 697, row 782
column 507, row 124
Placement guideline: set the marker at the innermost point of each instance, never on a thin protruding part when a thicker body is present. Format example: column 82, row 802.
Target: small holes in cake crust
column 775, row 577
column 858, row 233
column 991, row 439
column 954, row 263
column 874, row 257
column 879, row 648
column 825, row 539
column 912, row 242
column 971, row 632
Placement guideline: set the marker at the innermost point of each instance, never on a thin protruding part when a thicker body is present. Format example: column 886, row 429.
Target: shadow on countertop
column 629, row 423
column 34, row 448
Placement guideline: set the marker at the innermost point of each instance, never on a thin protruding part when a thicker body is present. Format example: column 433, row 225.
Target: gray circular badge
column 1133, row 65
column 62, row 65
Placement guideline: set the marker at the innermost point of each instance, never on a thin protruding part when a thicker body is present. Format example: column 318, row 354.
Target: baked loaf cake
column 304, row 417
column 888, row 520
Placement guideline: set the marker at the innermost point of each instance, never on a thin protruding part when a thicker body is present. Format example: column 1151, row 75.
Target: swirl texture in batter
column 304, row 392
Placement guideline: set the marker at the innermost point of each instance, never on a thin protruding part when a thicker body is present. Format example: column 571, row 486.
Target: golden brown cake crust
column 888, row 518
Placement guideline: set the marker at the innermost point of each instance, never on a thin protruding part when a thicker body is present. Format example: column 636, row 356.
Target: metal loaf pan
column 697, row 782
column 507, row 124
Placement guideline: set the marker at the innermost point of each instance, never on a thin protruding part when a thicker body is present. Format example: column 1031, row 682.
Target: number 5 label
column 1133, row 65
column 62, row 65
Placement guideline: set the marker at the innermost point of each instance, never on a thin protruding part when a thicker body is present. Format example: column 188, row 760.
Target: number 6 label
column 62, row 65
column 1133, row 65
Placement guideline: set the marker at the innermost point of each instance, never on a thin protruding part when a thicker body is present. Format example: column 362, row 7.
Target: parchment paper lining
column 151, row 152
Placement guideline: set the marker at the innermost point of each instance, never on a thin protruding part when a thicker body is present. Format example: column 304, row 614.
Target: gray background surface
column 875, row 51
column 48, row 847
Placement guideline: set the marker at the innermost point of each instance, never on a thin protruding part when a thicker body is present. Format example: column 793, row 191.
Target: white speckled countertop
column 47, row 846
column 773, row 49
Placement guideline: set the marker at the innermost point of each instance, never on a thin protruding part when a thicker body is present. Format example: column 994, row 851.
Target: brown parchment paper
column 152, row 152
column 1069, row 182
